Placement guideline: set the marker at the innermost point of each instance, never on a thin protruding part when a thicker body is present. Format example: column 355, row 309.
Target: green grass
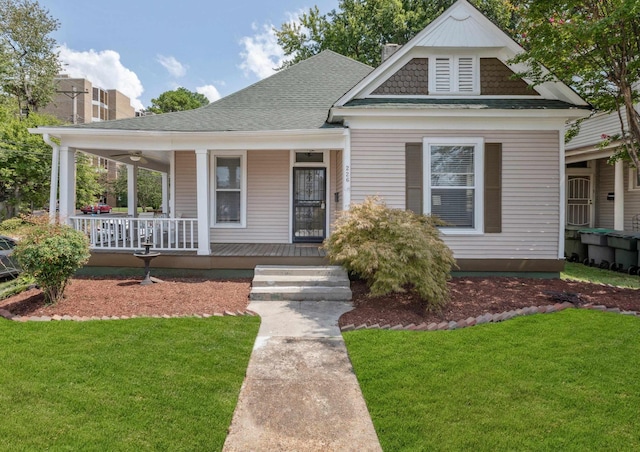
column 580, row 272
column 125, row 385
column 567, row 381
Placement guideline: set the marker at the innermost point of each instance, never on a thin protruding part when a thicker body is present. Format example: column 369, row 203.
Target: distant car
column 96, row 208
column 8, row 266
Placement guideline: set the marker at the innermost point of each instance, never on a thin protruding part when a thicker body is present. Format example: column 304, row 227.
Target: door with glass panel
column 309, row 204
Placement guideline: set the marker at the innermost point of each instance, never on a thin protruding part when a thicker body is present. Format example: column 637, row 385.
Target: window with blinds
column 454, row 75
column 455, row 182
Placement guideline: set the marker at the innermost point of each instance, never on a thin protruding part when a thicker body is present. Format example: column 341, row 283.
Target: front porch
column 234, row 256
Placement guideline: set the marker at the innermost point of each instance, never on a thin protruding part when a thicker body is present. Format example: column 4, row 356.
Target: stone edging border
column 486, row 318
column 16, row 318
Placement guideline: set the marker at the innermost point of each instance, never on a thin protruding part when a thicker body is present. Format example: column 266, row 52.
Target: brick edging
column 16, row 318
column 485, row 318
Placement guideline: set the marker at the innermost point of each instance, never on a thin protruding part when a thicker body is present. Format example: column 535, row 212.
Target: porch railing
column 126, row 233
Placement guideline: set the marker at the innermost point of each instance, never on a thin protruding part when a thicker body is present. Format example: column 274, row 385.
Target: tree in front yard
column 393, row 250
column 593, row 46
column 51, row 254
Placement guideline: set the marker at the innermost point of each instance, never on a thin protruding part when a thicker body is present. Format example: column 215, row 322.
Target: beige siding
column 335, row 170
column 531, row 193
column 605, row 181
column 267, row 201
column 186, row 201
column 604, row 185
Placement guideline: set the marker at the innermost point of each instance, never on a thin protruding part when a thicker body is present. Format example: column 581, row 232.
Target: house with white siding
column 599, row 194
column 441, row 127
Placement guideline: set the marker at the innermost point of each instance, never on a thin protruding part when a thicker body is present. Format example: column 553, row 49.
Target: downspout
column 53, row 192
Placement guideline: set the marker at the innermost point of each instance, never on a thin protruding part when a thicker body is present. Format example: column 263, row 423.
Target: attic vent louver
column 465, row 75
column 443, row 75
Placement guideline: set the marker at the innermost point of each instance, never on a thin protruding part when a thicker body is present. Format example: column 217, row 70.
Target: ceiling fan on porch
column 135, row 157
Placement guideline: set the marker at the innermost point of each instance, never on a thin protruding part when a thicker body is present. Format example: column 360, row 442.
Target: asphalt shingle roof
column 295, row 98
column 507, row 104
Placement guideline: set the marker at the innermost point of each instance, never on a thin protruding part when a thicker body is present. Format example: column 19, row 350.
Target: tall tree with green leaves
column 25, row 163
column 28, row 60
column 88, row 186
column 149, row 185
column 594, row 46
column 359, row 28
column 180, row 99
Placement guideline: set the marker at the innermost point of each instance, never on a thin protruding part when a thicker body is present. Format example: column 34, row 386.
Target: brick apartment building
column 77, row 101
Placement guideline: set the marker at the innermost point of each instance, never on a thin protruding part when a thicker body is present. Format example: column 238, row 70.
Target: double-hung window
column 453, row 172
column 229, row 189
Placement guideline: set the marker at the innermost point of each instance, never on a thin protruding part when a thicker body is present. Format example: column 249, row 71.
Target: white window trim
column 633, row 180
column 454, row 62
column 478, row 163
column 243, row 189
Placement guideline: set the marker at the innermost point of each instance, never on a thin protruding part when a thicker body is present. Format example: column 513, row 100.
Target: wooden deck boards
column 267, row 249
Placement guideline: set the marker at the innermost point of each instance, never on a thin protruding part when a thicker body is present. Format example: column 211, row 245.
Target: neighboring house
column 439, row 127
column 599, row 194
column 79, row 102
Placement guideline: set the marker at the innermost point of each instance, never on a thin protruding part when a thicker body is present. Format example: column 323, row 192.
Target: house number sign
column 347, row 173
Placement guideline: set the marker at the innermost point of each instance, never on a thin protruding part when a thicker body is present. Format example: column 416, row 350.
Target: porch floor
column 223, row 256
column 268, row 249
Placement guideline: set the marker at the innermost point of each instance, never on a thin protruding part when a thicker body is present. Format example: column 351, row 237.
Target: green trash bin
column 598, row 250
column 625, row 246
column 574, row 249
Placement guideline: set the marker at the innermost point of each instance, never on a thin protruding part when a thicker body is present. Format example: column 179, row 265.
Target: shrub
column 51, row 254
column 12, row 224
column 392, row 250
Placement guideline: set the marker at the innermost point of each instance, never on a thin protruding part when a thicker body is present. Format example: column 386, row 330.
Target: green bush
column 51, row 254
column 393, row 250
column 12, row 224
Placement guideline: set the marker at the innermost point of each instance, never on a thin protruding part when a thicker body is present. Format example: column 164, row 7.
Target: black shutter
column 493, row 187
column 413, row 177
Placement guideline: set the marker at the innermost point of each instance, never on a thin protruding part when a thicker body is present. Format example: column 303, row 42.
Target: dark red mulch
column 472, row 297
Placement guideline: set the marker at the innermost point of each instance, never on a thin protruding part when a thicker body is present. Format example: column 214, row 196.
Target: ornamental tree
column 393, row 250
column 593, row 46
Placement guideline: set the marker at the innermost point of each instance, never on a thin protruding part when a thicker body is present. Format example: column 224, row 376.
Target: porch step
column 300, row 283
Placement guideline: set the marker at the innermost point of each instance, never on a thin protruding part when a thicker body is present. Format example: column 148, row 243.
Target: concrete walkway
column 300, row 392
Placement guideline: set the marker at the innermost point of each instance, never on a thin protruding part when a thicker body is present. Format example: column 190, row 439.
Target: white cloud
column 104, row 70
column 173, row 66
column 262, row 54
column 210, row 91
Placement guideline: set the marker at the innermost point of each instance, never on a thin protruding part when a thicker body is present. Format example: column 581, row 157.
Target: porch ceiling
column 155, row 160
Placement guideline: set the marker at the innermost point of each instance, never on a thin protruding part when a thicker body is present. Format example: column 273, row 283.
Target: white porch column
column 67, row 184
column 53, row 191
column 132, row 190
column 346, row 171
column 165, row 193
column 618, row 206
column 202, row 183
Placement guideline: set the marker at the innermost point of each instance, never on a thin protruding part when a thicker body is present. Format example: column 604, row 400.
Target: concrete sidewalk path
column 300, row 392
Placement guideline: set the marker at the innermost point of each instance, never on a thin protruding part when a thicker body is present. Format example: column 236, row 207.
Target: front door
column 309, row 204
column 579, row 201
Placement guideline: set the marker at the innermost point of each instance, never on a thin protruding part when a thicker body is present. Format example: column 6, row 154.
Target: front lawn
column 139, row 384
column 562, row 381
column 580, row 272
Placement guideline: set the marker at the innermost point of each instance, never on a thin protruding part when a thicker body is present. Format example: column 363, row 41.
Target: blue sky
column 146, row 47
